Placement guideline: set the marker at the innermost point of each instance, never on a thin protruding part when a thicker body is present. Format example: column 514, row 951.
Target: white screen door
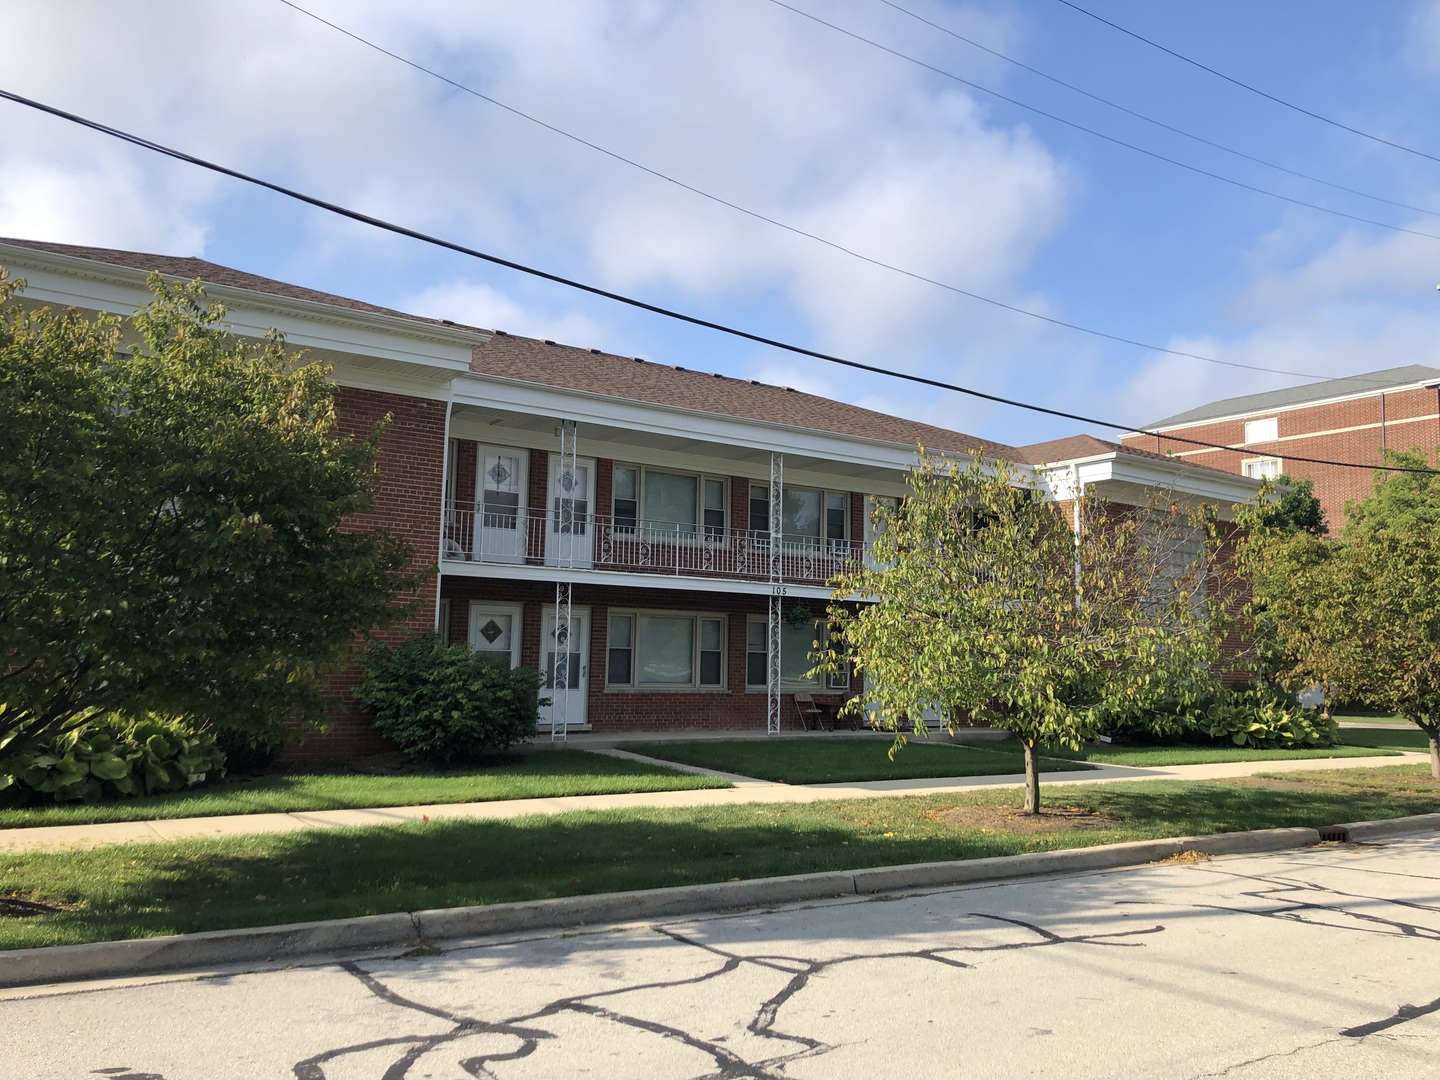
column 568, row 528
column 495, row 632
column 578, row 651
column 500, row 506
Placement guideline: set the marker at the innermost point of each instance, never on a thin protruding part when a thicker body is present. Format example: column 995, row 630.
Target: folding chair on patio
column 809, row 711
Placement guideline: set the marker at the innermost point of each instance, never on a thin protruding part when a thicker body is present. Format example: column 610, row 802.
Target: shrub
column 1257, row 716
column 246, row 752
column 112, row 757
column 1265, row 718
column 441, row 702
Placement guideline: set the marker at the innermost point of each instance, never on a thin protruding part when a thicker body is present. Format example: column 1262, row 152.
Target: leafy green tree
column 1361, row 615
column 985, row 603
column 1294, row 508
column 173, row 501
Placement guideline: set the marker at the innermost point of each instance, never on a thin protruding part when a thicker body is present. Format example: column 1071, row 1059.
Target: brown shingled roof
column 530, row 360
column 1083, row 446
column 591, row 371
column 190, row 268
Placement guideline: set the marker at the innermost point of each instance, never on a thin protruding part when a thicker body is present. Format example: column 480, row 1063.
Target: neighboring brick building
column 1351, row 419
column 657, row 540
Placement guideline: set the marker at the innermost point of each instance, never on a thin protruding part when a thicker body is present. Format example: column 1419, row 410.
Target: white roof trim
column 91, row 284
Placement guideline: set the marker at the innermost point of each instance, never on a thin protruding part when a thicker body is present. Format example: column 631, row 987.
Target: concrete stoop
column 401, row 931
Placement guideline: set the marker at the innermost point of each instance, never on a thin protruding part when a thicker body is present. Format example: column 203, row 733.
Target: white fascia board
column 1209, row 485
column 74, row 282
column 566, row 404
column 1400, row 388
column 619, row 579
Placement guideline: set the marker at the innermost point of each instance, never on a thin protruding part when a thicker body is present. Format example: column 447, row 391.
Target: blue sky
column 762, row 107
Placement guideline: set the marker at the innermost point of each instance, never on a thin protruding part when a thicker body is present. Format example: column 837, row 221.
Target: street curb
column 401, row 930
column 1361, row 831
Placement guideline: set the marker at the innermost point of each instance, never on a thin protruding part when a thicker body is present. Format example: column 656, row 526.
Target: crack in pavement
column 728, row 1065
column 1402, row 1015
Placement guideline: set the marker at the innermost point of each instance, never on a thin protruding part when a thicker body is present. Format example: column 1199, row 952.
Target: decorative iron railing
column 603, row 542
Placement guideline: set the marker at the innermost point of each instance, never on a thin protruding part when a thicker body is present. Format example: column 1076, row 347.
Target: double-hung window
column 680, row 504
column 665, row 650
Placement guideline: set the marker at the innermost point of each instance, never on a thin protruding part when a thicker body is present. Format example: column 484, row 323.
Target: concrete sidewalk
column 745, row 790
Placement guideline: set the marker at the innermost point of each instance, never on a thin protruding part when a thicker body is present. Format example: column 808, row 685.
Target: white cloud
column 749, row 101
column 1354, row 306
column 1422, row 43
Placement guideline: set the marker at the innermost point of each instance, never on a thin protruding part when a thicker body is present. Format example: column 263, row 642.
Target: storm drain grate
column 1335, row 833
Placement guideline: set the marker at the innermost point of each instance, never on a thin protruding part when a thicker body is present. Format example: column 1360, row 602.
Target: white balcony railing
column 599, row 541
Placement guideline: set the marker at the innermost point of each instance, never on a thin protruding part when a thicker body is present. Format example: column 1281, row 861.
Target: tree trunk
column 1032, row 778
column 1434, row 734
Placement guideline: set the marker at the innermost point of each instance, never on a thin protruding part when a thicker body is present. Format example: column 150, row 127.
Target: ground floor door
column 566, row 665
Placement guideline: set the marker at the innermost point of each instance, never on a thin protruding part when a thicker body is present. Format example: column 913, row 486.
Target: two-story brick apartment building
column 657, row 540
column 1350, row 419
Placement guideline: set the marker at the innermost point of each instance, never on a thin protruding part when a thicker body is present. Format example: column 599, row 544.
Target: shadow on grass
column 143, row 890
column 542, row 774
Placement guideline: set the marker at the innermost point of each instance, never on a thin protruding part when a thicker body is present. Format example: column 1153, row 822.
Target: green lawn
column 161, row 888
column 1143, row 756
column 538, row 774
column 829, row 761
column 1410, row 739
column 1368, row 718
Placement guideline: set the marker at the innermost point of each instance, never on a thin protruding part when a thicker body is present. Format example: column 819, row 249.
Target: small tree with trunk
column 1360, row 615
column 173, row 522
column 981, row 602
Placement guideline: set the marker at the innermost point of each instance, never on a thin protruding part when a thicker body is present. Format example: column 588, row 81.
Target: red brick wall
column 538, row 499
column 407, row 505
column 1410, row 420
column 636, row 710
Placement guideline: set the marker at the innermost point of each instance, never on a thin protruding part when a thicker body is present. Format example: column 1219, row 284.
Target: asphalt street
column 1303, row 964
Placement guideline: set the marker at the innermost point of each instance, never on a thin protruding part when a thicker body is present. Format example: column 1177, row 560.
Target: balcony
column 587, row 541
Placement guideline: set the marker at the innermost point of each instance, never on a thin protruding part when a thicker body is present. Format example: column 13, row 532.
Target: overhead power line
column 1151, row 120
column 1093, row 131
column 1246, row 86
column 777, row 223
column 642, row 305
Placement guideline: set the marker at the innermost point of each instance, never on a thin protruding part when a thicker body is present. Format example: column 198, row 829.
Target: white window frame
column 827, row 683
column 694, row 685
column 702, row 530
column 1258, row 431
column 1247, row 470
column 477, row 607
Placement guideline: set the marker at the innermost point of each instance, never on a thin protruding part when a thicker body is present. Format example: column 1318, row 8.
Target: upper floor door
column 569, row 521
column 502, row 525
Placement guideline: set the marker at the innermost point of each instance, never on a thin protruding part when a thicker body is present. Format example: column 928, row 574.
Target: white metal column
column 777, row 594
column 566, row 478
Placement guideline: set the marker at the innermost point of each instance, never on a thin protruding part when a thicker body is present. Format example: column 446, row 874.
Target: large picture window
column 667, row 502
column 796, row 645
column 807, row 517
column 666, row 650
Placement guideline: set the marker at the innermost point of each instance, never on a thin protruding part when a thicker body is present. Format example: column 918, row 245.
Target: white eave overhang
column 1116, row 467
column 562, row 403
column 71, row 281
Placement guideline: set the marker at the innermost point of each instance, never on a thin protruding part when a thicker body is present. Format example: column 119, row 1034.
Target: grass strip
column 833, row 761
column 163, row 888
column 1410, row 739
column 536, row 775
column 1147, row 756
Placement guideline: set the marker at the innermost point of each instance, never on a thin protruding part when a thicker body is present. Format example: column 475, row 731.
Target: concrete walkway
column 745, row 790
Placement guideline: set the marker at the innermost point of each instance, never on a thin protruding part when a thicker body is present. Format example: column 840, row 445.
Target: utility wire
column 1151, row 120
column 1246, row 86
column 1092, row 131
column 620, row 298
column 795, row 230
